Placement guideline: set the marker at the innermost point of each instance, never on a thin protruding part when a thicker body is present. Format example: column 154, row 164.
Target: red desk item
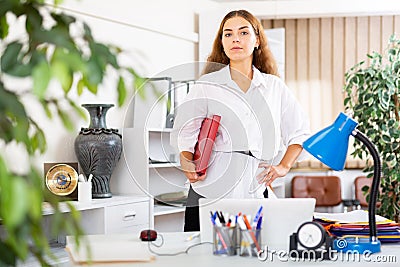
column 205, row 143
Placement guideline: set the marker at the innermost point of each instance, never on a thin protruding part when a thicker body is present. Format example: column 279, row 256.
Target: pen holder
column 224, row 240
column 250, row 242
column 84, row 191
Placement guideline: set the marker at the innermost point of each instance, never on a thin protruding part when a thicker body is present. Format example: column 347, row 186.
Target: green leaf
column 61, row 71
column 95, row 72
column 8, row 257
column 73, row 59
column 121, row 91
column 63, row 19
column 3, row 27
column 35, row 196
column 77, row 109
column 57, row 35
column 68, row 124
column 80, row 86
column 104, row 55
column 15, row 203
column 46, row 108
column 39, row 141
column 91, row 87
column 88, row 32
column 41, row 77
column 10, row 55
column 139, row 83
column 14, row 124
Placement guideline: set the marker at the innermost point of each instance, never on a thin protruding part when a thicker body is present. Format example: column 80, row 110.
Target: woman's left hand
column 270, row 173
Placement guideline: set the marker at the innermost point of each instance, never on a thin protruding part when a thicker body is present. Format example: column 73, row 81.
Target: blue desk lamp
column 330, row 146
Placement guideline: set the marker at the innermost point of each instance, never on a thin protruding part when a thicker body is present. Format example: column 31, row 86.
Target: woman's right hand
column 189, row 168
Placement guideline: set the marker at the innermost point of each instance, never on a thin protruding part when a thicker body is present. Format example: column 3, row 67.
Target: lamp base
column 359, row 244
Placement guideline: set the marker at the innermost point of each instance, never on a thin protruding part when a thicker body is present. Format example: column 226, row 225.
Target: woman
column 260, row 118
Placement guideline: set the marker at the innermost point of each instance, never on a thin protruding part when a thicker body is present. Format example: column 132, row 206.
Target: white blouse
column 265, row 120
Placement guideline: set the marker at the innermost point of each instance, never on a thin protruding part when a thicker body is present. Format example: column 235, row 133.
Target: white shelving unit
column 155, row 163
column 160, row 210
column 157, row 178
column 165, row 178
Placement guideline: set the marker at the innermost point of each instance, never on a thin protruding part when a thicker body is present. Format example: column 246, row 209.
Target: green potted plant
column 372, row 94
column 47, row 51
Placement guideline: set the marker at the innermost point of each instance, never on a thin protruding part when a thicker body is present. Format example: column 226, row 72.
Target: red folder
column 205, row 143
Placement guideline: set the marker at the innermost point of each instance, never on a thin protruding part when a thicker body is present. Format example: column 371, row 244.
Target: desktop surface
column 201, row 255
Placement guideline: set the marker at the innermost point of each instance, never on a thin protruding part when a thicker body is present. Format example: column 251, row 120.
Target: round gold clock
column 61, row 179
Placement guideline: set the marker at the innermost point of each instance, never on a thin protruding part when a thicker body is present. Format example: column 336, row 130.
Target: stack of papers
column 355, row 223
column 108, row 249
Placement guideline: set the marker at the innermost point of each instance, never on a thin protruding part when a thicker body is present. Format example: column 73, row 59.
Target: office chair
column 325, row 189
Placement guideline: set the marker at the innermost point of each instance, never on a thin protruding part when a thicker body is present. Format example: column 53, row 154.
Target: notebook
column 205, row 143
column 281, row 217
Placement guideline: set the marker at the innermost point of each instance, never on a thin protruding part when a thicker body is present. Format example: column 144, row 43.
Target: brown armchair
column 359, row 195
column 325, row 189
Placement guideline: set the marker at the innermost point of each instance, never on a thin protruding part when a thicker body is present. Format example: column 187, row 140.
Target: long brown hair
column 263, row 59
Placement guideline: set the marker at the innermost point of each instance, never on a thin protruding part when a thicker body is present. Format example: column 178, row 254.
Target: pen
column 214, row 219
column 221, row 217
column 257, row 217
column 259, row 222
column 219, row 234
column 251, row 232
column 246, row 235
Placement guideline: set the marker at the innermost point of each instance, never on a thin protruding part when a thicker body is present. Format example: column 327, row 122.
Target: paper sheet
column 355, row 216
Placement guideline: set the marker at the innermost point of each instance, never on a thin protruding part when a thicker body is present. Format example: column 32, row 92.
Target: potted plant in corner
column 45, row 52
column 372, row 94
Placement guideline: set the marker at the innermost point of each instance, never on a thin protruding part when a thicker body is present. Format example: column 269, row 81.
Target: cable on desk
column 174, row 253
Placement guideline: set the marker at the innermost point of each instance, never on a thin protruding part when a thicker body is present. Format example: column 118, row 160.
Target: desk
column 201, row 256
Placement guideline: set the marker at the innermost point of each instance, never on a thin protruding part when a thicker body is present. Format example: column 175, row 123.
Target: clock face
column 61, row 179
column 311, row 235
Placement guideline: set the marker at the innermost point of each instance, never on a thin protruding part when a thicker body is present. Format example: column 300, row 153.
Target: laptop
column 281, row 217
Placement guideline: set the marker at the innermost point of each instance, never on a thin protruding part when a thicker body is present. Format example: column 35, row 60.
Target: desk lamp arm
column 373, row 193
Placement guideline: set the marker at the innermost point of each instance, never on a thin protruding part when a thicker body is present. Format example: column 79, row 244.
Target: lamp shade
column 331, row 143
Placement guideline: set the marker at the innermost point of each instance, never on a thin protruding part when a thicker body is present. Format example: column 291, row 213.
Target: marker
column 259, row 223
column 257, row 217
column 214, row 219
column 248, row 226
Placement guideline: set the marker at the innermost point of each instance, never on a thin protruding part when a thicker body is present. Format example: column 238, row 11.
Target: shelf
column 160, row 130
column 164, row 210
column 95, row 203
column 164, row 165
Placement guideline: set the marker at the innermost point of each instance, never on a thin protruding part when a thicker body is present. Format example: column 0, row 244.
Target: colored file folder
column 355, row 223
column 205, row 143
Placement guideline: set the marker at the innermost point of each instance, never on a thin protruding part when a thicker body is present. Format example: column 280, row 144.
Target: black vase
column 98, row 149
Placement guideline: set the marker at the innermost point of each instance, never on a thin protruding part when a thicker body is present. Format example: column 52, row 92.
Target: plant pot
column 98, row 149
